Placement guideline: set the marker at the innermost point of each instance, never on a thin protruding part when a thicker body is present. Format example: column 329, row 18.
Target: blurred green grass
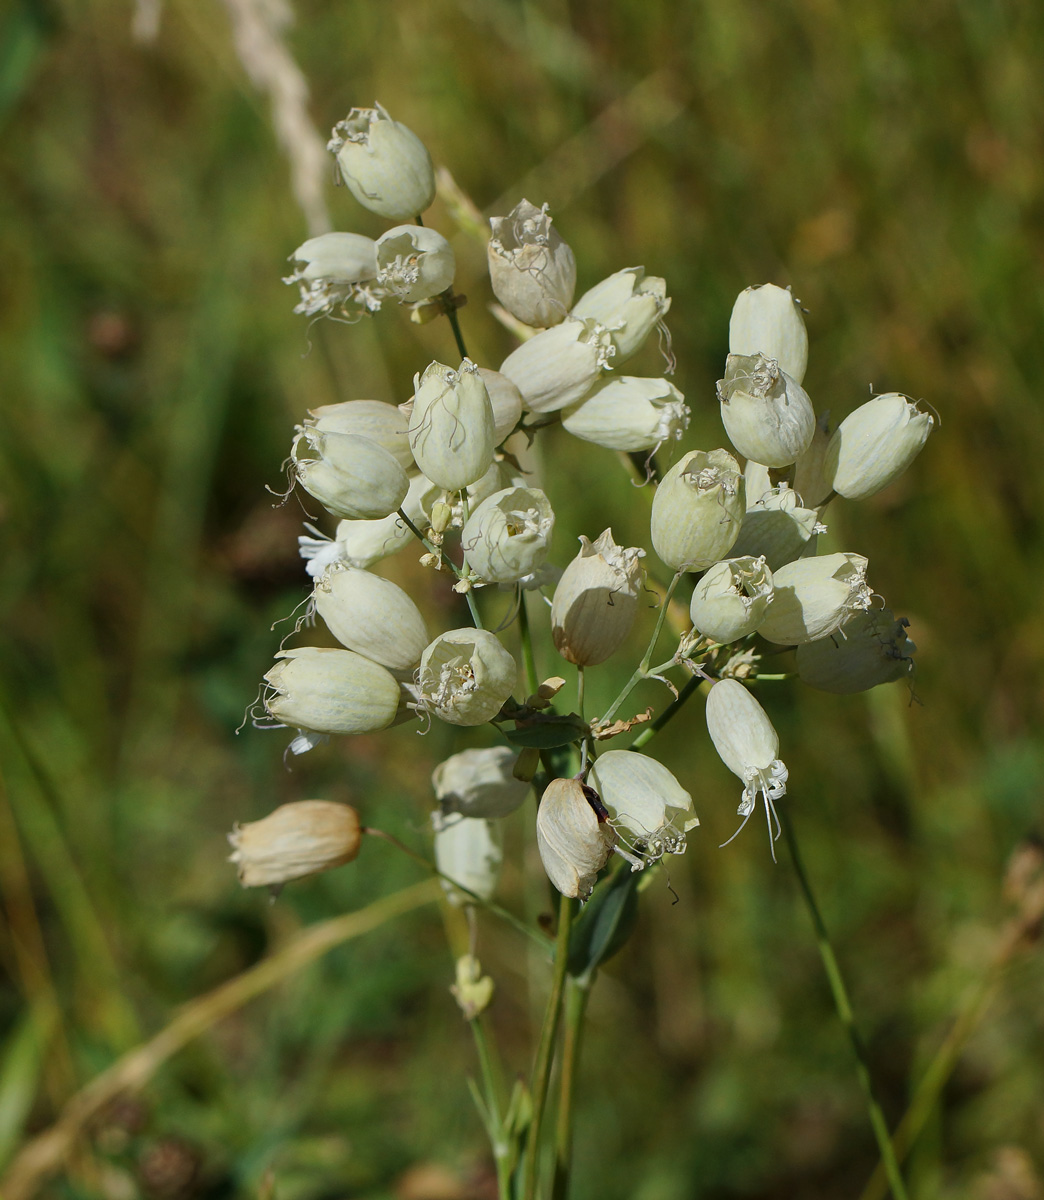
column 885, row 160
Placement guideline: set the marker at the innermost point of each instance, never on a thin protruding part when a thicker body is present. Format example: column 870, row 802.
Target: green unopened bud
column 386, row 424
column 386, row 166
column 333, row 272
column 778, row 528
column 767, row 320
column 414, row 262
column 350, row 475
column 628, row 304
column 874, row 445
column 468, row 851
column 573, row 843
column 371, row 616
column 532, row 270
column 814, row 597
column 767, row 414
column 731, row 598
column 697, row 510
column 506, row 400
column 330, row 691
column 465, row 676
column 559, row 366
column 648, row 808
column 629, row 414
column 869, row 649
column 596, row 600
column 472, row 990
column 295, row 840
column 478, row 783
column 508, row 535
column 747, row 744
column 451, row 425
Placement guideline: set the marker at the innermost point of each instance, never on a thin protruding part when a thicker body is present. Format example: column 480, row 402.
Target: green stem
column 491, row 1085
column 451, row 312
column 844, row 1011
column 577, row 994
column 643, row 667
column 525, row 633
column 461, row 573
column 545, row 1050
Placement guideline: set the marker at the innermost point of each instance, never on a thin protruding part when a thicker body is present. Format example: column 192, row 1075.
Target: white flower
column 731, row 599
column 451, row 425
column 322, row 690
column 814, row 597
column 596, row 600
column 508, row 536
column 573, row 840
column 469, row 853
column 874, row 445
column 385, row 165
column 478, row 783
column 748, row 745
column 414, row 262
column 465, row 676
column 295, row 840
column 767, row 414
column 697, row 510
column 630, row 414
column 628, row 304
column 559, row 366
column 869, row 649
column 350, row 475
column 385, row 424
column 371, row 616
column 767, row 320
column 778, row 528
column 648, row 808
column 532, row 270
column 336, row 272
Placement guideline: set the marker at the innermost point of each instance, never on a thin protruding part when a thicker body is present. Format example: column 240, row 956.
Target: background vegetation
column 886, row 160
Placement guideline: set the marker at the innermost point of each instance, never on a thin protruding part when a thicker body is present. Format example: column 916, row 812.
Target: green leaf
column 605, row 923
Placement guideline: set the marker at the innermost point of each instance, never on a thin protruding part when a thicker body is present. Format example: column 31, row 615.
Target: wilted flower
column 731, row 598
column 629, row 414
column 414, row 262
column 870, row 648
column 350, row 475
column 559, row 366
column 335, row 272
column 478, row 783
column 298, row 839
column 451, row 425
column 596, row 600
column 532, row 270
column 814, row 597
column 697, row 510
column 323, row 690
column 767, row 320
column 574, row 842
column 468, row 852
column 508, row 535
column 874, row 445
column 628, row 304
column 465, row 676
column 778, row 528
column 767, row 414
column 648, row 808
column 371, row 616
column 386, row 166
column 385, row 424
column 748, row 745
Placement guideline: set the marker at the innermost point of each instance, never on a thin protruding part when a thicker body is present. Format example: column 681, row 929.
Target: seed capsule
column 508, row 536
column 574, row 845
column 559, row 366
column 629, row 414
column 731, row 598
column 414, row 262
column 596, row 600
column 350, row 475
column 468, row 851
column 478, row 783
column 295, row 840
column 451, row 425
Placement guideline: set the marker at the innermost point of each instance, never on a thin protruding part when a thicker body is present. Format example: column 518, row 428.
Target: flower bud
column 747, row 744
column 451, row 425
column 386, row 166
column 629, row 414
column 778, row 529
column 596, row 600
column 414, row 262
column 330, row 691
column 333, row 272
column 465, row 676
column 506, row 400
column 814, row 597
column 371, row 616
column 731, row 599
column 767, row 320
column 573, row 842
column 472, row 990
column 628, row 304
column 468, row 851
column 648, row 808
column 532, row 270
column 874, row 445
column 697, row 510
column 478, row 783
column 350, row 475
column 810, row 482
column 767, row 415
column 298, row 839
column 870, row 648
column 385, row 424
column 558, row 367
column 508, row 535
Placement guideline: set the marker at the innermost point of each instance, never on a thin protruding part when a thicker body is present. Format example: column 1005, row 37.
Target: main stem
column 577, row 994
column 545, row 1050
column 844, row 1011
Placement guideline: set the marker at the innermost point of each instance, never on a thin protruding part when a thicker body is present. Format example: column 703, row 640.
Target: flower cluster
column 453, row 468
